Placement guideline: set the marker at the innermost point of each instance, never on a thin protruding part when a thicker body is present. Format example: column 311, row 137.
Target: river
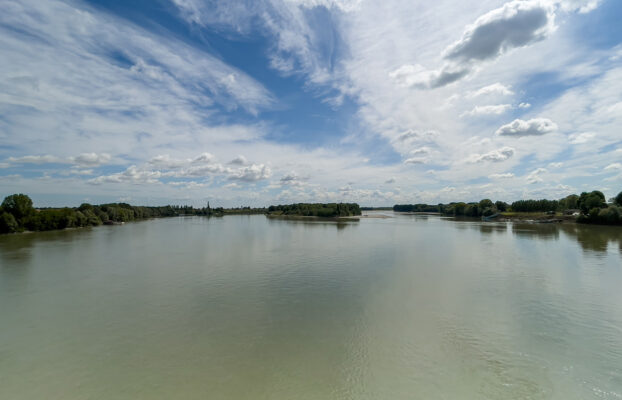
column 246, row 307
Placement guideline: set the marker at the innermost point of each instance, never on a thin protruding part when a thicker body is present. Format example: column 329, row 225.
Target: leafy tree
column 328, row 210
column 570, row 202
column 8, row 224
column 618, row 199
column 501, row 206
column 19, row 205
column 589, row 201
column 535, row 205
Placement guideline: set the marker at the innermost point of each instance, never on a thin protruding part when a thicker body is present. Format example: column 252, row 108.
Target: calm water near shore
column 245, row 307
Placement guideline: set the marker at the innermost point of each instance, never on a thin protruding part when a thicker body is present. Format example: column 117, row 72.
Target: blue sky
column 275, row 101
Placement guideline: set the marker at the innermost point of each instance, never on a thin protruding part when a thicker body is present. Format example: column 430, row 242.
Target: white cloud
column 239, row 160
column 498, row 155
column 132, row 175
column 203, row 158
column 82, row 160
column 613, row 167
column 535, row 176
column 252, row 173
column 165, row 161
column 579, row 138
column 501, row 176
column 494, row 89
column 293, row 179
column 532, row 127
column 413, row 135
column 91, row 159
column 488, row 110
column 515, row 24
column 524, row 105
column 415, row 160
column 422, row 151
column 42, row 159
column 582, row 6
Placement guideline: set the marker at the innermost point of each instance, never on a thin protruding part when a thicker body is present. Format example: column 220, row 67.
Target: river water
column 245, row 307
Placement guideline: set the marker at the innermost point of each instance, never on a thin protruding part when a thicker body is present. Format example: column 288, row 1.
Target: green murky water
column 243, row 307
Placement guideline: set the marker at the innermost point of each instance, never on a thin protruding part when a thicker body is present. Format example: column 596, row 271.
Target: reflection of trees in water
column 316, row 223
column 590, row 237
column 539, row 231
column 16, row 249
column 489, row 228
column 594, row 237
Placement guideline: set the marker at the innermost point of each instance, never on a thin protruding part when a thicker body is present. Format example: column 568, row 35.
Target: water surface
column 245, row 307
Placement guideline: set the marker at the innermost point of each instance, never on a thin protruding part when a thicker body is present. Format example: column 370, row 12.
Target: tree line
column 591, row 206
column 17, row 214
column 323, row 210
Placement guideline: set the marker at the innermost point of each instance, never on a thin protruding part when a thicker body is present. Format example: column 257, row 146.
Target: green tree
column 485, row 203
column 19, row 205
column 501, row 205
column 8, row 224
column 570, row 202
column 590, row 201
column 618, row 200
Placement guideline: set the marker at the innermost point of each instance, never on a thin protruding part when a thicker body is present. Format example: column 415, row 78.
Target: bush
column 8, row 224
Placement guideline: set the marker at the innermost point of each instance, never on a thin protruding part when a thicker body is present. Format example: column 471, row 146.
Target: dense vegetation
column 244, row 210
column 18, row 214
column 416, row 208
column 324, row 210
column 591, row 206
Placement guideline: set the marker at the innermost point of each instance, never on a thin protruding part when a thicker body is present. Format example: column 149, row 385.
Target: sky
column 259, row 102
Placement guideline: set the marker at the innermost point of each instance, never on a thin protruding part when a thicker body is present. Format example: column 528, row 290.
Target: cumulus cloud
column 252, row 173
column 524, row 105
column 532, row 127
column 239, row 160
column 488, row 110
column 498, row 155
column 203, row 158
column 515, row 24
